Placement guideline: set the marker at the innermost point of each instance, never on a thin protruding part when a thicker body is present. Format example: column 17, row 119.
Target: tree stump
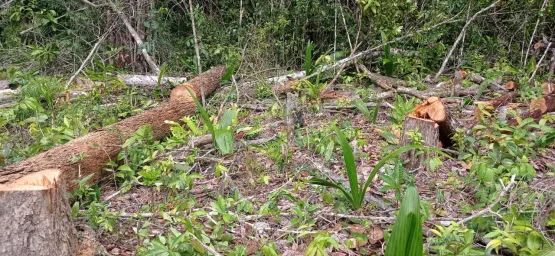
column 430, row 137
column 434, row 109
column 35, row 217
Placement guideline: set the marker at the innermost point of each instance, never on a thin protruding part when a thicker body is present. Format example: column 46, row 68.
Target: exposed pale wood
column 35, row 217
column 99, row 147
column 434, row 109
column 149, row 81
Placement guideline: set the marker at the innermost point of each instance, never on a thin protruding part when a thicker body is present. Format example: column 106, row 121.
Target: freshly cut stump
column 35, row 217
column 430, row 136
column 434, row 109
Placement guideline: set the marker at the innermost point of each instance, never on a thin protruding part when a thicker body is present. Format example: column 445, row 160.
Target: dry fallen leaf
column 358, row 228
column 375, row 235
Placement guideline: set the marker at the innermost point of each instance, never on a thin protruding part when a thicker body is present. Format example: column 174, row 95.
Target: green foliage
column 406, row 237
column 454, row 240
column 356, row 193
column 371, row 115
column 318, row 246
column 222, row 134
column 518, row 235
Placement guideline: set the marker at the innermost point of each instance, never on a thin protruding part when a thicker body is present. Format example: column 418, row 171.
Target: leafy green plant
column 318, row 246
column 453, row 240
column 308, row 67
column 222, row 134
column 519, row 236
column 406, row 236
column 393, row 179
column 371, row 115
column 355, row 195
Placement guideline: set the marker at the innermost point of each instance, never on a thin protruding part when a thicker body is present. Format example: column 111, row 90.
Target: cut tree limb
column 99, row 147
column 537, row 109
column 395, row 85
column 35, row 217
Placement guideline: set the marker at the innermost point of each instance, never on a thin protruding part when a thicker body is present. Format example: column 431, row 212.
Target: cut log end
column 42, row 180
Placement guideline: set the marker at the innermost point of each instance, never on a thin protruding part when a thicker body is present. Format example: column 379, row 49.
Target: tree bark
column 99, row 147
column 430, row 137
column 35, row 217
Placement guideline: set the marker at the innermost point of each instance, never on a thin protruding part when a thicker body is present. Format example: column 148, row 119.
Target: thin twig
column 91, row 54
column 135, row 35
column 197, row 49
column 93, row 4
column 459, row 38
column 488, row 209
column 539, row 63
column 534, row 33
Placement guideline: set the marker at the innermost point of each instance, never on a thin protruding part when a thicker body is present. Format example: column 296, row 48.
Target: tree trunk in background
column 36, row 218
column 98, row 148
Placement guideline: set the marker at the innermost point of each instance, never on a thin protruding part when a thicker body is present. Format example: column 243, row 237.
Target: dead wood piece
column 395, row 85
column 495, row 103
column 150, row 81
column 548, row 87
column 430, row 136
column 537, row 109
column 511, row 85
column 98, row 148
column 35, row 216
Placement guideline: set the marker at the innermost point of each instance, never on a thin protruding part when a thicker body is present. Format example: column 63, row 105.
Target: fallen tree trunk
column 9, row 95
column 35, row 217
column 149, row 81
column 99, row 147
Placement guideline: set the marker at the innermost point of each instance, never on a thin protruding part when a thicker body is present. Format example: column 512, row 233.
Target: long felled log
column 99, row 147
column 35, row 217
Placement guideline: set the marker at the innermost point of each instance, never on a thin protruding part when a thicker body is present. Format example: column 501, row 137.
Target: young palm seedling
column 355, row 194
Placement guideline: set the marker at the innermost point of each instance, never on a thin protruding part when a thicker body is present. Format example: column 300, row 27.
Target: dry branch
column 99, row 147
column 461, row 35
column 136, row 36
column 395, row 85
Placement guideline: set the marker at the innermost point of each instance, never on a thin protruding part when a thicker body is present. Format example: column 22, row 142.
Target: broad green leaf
column 406, row 237
column 350, row 166
column 330, row 184
column 224, row 140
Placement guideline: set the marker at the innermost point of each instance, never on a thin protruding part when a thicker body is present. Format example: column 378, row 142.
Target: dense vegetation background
column 44, row 42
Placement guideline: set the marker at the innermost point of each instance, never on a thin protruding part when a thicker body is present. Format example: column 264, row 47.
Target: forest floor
column 270, row 208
